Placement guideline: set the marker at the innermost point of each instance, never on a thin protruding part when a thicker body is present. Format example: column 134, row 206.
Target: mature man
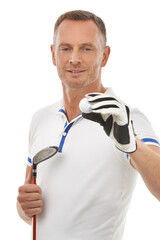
column 88, row 185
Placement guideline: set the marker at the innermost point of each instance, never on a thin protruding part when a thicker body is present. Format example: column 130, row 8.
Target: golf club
column 41, row 156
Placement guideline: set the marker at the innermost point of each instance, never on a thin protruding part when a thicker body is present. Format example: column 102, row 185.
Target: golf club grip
column 34, row 227
column 34, row 180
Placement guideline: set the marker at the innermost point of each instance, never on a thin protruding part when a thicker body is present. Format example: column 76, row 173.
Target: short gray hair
column 80, row 15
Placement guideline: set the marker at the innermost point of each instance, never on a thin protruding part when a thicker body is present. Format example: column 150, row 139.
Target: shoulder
column 53, row 108
column 46, row 112
column 140, row 121
column 143, row 128
column 137, row 115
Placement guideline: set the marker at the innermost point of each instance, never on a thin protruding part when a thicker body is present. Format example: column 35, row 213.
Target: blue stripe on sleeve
column 150, row 140
column 29, row 160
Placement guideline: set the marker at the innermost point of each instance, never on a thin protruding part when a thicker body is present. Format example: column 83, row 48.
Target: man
column 86, row 188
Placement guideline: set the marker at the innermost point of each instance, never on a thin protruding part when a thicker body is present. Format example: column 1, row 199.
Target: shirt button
column 64, row 134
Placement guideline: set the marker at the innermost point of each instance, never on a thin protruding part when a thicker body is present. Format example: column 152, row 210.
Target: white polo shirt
column 87, row 186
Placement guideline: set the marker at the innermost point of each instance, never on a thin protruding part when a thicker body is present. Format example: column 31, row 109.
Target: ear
column 53, row 54
column 106, row 54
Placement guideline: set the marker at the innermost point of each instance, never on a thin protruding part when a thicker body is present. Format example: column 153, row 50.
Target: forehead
column 78, row 31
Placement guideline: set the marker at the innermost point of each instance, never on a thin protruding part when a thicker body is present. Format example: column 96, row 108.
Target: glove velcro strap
column 121, row 133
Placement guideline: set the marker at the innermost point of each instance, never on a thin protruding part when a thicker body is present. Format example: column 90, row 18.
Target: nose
column 75, row 57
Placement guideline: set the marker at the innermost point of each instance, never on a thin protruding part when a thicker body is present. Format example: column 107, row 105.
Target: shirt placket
column 67, row 127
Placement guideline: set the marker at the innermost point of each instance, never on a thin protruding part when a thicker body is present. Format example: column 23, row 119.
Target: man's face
column 78, row 53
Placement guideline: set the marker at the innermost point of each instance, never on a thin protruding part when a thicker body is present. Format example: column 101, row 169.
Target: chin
column 75, row 84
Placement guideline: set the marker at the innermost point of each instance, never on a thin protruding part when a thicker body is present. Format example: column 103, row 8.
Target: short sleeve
column 143, row 128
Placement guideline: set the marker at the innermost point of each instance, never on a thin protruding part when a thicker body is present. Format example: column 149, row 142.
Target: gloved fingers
column 100, row 101
column 100, row 97
column 106, row 104
column 92, row 95
column 119, row 114
column 106, row 111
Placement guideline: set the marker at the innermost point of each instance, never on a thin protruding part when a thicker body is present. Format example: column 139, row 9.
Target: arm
column 114, row 116
column 146, row 160
column 29, row 200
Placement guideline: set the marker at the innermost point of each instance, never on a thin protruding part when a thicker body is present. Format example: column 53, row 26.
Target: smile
column 75, row 71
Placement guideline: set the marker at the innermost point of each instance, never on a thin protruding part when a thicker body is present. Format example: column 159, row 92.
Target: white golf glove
column 114, row 116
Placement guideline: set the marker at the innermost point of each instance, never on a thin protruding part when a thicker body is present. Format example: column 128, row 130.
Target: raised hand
column 114, row 116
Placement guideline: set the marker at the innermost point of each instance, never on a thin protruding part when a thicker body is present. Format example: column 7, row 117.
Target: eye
column 65, row 49
column 87, row 49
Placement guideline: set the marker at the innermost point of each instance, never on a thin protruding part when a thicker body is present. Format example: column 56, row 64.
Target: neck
column 72, row 97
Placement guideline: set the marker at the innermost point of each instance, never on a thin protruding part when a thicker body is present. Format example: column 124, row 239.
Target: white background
column 29, row 81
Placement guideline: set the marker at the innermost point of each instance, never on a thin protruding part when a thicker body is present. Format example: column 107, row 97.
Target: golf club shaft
column 34, row 227
column 34, row 218
column 42, row 155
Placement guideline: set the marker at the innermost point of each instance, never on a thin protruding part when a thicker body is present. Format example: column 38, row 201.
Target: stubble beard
column 79, row 83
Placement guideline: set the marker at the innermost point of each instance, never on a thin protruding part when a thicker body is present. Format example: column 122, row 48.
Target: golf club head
column 44, row 154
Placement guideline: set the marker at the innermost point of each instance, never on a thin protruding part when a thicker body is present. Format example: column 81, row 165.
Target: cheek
column 60, row 59
column 96, row 64
column 96, row 59
column 60, row 63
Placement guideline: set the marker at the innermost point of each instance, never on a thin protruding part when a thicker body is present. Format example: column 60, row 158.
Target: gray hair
column 80, row 15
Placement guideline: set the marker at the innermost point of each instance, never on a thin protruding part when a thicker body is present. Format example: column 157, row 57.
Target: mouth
column 75, row 72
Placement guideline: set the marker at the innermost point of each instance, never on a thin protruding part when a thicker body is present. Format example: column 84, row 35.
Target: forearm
column 21, row 213
column 146, row 160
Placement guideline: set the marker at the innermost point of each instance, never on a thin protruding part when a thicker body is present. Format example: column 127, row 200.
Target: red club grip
column 34, row 180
